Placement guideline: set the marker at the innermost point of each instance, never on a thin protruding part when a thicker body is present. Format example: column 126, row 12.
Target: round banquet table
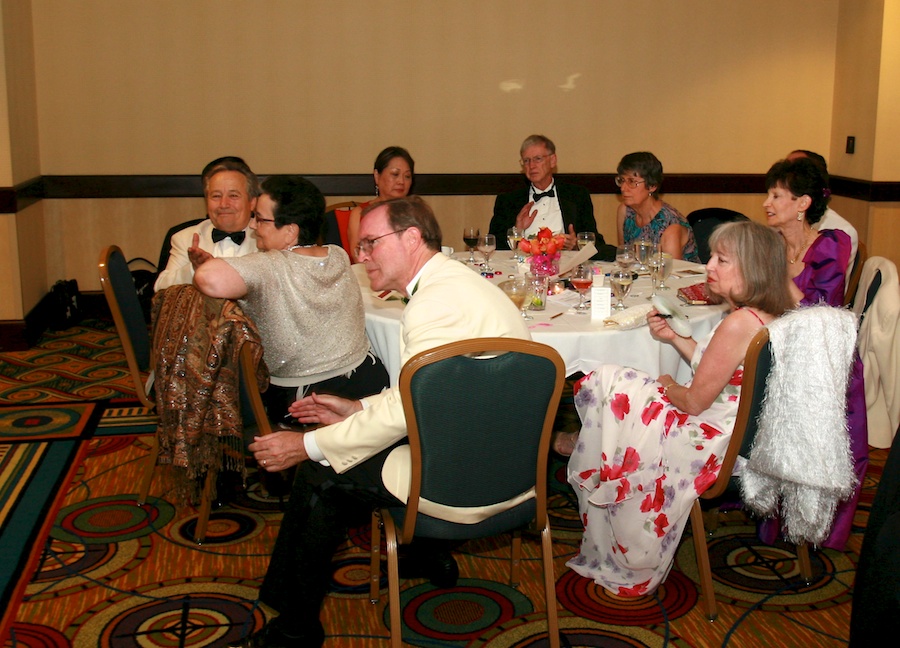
column 583, row 344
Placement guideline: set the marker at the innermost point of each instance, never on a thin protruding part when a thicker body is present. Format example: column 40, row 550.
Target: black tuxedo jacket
column 574, row 203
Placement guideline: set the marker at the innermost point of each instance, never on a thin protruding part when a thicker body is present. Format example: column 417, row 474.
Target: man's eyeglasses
column 537, row 159
column 631, row 182
column 260, row 219
column 365, row 245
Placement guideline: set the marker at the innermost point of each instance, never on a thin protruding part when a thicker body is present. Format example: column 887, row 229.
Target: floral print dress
column 638, row 465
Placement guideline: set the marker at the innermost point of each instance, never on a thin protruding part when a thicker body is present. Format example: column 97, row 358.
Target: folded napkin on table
column 629, row 318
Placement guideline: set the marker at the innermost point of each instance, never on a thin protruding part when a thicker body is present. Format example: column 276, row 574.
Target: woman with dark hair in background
column 817, row 262
column 643, row 214
column 303, row 297
column 393, row 172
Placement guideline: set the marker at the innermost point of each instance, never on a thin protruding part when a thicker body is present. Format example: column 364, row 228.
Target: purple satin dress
column 823, row 280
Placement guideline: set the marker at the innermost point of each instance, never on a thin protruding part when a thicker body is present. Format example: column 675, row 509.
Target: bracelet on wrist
column 666, row 388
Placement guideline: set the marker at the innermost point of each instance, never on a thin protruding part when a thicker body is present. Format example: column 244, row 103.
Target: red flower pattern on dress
column 655, row 501
column 710, row 432
column 620, row 405
column 630, row 462
column 661, row 523
column 737, row 378
column 651, row 412
column 638, row 590
column 623, row 490
column 708, row 474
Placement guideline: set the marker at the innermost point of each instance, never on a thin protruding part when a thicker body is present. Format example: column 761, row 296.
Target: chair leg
column 805, row 563
column 149, row 467
column 706, row 582
column 549, row 585
column 375, row 558
column 515, row 558
column 205, row 505
column 390, row 539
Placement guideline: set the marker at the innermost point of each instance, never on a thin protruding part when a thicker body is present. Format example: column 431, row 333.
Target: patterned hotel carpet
column 112, row 574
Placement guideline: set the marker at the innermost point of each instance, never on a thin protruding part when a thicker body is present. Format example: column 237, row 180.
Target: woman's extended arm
column 216, row 278
column 353, row 232
column 723, row 356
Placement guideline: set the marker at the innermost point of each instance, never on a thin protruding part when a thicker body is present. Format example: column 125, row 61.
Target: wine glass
column 486, row 245
column 513, row 236
column 620, row 282
column 583, row 238
column 665, row 270
column 582, row 278
column 470, row 238
column 520, row 290
column 643, row 248
column 625, row 256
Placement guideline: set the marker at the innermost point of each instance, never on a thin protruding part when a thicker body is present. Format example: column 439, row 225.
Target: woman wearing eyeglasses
column 643, row 214
column 302, row 296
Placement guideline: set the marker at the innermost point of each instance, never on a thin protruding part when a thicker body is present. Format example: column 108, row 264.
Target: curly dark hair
column 802, row 177
column 646, row 165
column 297, row 201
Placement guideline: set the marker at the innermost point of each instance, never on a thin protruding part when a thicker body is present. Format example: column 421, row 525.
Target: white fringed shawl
column 801, row 456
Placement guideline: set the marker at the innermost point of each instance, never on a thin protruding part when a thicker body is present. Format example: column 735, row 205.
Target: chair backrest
column 855, row 274
column 166, row 248
column 479, row 427
column 128, row 316
column 253, row 411
column 757, row 363
column 337, row 221
column 704, row 221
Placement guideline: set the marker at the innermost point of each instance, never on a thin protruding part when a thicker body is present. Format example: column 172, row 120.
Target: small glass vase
column 544, row 265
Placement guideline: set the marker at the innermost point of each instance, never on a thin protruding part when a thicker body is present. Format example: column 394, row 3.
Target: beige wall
column 320, row 87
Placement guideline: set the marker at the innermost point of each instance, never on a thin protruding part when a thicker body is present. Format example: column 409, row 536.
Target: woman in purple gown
column 797, row 197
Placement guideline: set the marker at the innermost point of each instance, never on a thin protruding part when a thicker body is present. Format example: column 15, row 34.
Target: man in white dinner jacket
column 231, row 190
column 361, row 455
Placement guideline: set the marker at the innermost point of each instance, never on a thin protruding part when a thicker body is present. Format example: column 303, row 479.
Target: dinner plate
column 668, row 307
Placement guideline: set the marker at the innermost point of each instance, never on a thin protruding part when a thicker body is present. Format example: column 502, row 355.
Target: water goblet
column 470, row 238
column 583, row 238
column 520, row 291
column 582, row 278
column 643, row 248
column 620, row 282
column 665, row 270
column 513, row 236
column 625, row 256
column 486, row 245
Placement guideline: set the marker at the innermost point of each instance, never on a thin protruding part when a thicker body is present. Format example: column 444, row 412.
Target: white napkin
column 629, row 318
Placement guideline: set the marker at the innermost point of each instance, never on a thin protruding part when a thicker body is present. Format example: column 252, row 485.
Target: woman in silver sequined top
column 303, row 297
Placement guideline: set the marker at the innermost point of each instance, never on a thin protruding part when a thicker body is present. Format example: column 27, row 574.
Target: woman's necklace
column 294, row 247
column 806, row 243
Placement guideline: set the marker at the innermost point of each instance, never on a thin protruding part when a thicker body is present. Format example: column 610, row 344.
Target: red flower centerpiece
column 544, row 249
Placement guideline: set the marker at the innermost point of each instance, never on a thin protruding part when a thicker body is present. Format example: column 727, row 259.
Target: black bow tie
column 219, row 235
column 547, row 194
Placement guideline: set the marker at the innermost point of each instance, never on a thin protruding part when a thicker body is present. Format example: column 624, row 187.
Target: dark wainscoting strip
column 17, row 198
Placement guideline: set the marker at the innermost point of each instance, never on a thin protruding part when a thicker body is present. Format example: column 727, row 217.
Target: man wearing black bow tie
column 231, row 190
column 564, row 208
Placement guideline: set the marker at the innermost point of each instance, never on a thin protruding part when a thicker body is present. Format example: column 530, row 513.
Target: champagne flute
column 620, row 282
column 654, row 263
column 643, row 248
column 470, row 238
column 486, row 245
column 583, row 238
column 665, row 270
column 513, row 236
column 582, row 278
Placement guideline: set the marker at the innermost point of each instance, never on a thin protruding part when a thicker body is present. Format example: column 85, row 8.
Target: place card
column 601, row 302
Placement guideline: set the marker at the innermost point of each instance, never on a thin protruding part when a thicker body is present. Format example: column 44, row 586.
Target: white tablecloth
column 582, row 344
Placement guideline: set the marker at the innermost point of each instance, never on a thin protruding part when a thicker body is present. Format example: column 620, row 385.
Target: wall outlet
column 851, row 144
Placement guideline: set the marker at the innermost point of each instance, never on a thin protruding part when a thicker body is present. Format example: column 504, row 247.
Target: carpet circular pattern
column 68, row 568
column 28, row 635
column 530, row 631
column 350, row 578
column 39, row 421
column 225, row 527
column 456, row 617
column 748, row 573
column 582, row 597
column 199, row 612
column 111, row 519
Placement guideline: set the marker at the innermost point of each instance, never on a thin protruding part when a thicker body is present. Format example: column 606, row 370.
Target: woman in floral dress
column 648, row 447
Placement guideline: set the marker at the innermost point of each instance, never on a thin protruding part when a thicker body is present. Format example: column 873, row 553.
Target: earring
column 800, row 215
column 376, row 190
